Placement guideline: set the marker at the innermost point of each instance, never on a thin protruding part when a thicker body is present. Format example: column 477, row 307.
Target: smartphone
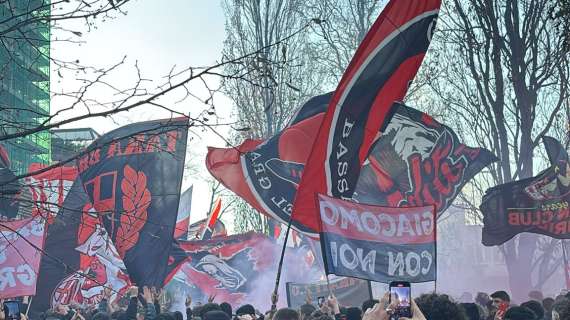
column 11, row 310
column 502, row 309
column 320, row 301
column 402, row 291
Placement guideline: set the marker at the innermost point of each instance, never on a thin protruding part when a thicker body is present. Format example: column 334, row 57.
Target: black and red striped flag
column 379, row 74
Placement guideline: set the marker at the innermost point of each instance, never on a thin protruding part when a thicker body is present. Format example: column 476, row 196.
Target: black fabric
column 133, row 177
column 215, row 315
column 538, row 205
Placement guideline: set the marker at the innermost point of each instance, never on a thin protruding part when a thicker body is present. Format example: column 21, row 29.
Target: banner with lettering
column 538, row 205
column 348, row 291
column 21, row 243
column 376, row 243
column 133, row 177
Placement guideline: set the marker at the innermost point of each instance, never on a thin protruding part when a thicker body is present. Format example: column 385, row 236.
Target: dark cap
column 245, row 309
column 216, row 315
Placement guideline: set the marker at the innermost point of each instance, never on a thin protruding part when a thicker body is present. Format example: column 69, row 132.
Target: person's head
column 482, row 298
column 353, row 313
column 536, row 307
column 436, row 306
column 208, row 307
column 119, row 314
column 319, row 315
column 246, row 309
column 216, row 315
column 520, row 313
column 197, row 311
column 227, row 308
column 561, row 310
column 471, row 311
column 368, row 304
column 178, row 315
column 499, row 297
column 547, row 304
column 536, row 295
column 101, row 316
column 286, row 314
column 305, row 310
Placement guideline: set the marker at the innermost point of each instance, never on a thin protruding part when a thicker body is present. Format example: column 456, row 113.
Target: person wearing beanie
column 246, row 309
column 227, row 308
column 215, row 315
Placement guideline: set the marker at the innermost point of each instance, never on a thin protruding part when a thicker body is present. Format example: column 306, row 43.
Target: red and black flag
column 418, row 161
column 378, row 75
column 414, row 151
column 80, row 259
column 183, row 217
column 267, row 173
column 210, row 226
column 537, row 205
column 133, row 177
column 235, row 269
column 376, row 243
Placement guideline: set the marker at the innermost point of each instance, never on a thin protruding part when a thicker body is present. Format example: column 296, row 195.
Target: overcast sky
column 158, row 35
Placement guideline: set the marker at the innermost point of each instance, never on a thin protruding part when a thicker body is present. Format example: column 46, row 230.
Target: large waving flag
column 379, row 74
column 133, row 177
column 211, row 220
column 395, row 173
column 21, row 243
column 538, row 204
column 81, row 259
column 183, row 218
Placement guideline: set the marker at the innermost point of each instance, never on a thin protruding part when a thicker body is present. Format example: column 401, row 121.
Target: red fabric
column 406, row 225
column 49, row 188
column 314, row 181
column 19, row 260
column 224, row 165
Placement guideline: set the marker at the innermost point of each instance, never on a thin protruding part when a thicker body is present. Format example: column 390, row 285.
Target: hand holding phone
column 402, row 293
column 320, row 301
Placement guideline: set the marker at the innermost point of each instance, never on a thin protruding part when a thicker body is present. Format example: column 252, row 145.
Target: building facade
column 25, row 81
column 66, row 143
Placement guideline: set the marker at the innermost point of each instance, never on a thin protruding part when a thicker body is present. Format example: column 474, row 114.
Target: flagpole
column 274, row 296
column 329, row 285
column 566, row 267
column 29, row 305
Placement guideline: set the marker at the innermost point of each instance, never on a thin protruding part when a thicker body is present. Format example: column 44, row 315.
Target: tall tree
column 270, row 85
column 503, row 79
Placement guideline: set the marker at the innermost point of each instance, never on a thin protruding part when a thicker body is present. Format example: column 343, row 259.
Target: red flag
column 49, row 188
column 183, row 218
column 20, row 255
column 379, row 73
column 212, row 218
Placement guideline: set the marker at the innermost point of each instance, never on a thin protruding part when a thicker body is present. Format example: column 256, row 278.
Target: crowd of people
column 146, row 305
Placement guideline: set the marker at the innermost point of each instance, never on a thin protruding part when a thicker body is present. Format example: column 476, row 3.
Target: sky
column 157, row 35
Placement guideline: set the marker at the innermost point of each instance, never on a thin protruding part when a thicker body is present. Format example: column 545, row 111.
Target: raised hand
column 380, row 311
column 417, row 314
column 133, row 291
column 333, row 304
column 147, row 294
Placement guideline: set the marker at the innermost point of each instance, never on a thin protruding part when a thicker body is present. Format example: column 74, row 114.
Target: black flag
column 133, row 177
column 537, row 205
